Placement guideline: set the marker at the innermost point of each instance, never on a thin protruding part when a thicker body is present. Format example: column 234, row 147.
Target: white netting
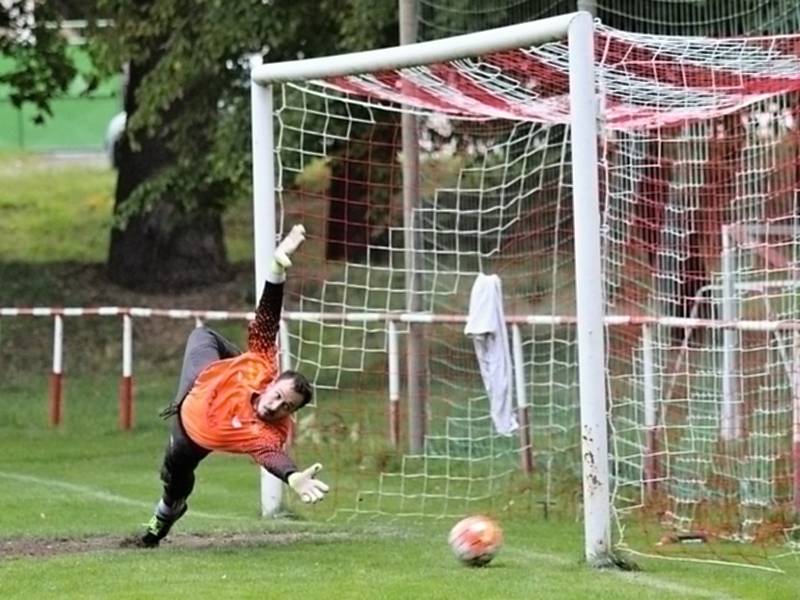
column 698, row 142
column 645, row 81
column 697, row 227
column 442, row 18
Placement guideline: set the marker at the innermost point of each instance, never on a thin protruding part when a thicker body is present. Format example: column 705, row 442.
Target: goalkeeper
column 236, row 403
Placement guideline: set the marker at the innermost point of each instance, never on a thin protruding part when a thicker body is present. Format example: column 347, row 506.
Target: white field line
column 632, row 577
column 98, row 494
column 664, row 585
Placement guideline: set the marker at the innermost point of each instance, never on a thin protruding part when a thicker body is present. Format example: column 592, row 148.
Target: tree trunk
column 364, row 178
column 165, row 249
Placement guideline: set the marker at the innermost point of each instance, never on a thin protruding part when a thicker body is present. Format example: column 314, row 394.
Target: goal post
column 264, row 229
column 590, row 307
column 578, row 29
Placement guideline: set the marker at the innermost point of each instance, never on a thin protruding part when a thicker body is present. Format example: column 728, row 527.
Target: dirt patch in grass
column 42, row 548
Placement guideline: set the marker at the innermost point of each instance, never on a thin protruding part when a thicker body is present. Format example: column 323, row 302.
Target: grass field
column 70, row 497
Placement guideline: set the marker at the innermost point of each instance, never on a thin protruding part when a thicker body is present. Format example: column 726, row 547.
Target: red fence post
column 126, row 384
column 56, row 377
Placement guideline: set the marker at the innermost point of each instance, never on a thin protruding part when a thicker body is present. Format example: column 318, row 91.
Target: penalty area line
column 98, row 494
column 634, row 578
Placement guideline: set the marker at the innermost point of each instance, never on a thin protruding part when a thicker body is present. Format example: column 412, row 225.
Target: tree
column 443, row 18
column 186, row 153
column 40, row 68
column 187, row 149
column 715, row 18
column 361, row 169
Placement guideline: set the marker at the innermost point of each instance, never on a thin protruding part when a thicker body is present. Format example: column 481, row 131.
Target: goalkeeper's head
column 290, row 392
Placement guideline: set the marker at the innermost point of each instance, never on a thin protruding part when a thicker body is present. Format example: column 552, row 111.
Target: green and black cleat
column 158, row 528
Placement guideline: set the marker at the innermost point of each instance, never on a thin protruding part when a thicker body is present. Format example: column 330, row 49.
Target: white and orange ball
column 476, row 540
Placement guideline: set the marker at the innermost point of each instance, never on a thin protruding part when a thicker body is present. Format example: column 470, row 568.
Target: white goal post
column 578, row 29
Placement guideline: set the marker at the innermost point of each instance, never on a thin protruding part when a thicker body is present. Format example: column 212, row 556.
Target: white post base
column 271, row 491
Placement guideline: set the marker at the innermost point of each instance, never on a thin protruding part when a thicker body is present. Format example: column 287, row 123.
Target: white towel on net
column 486, row 325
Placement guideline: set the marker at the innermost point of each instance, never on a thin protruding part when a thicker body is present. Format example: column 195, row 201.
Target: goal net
column 697, row 150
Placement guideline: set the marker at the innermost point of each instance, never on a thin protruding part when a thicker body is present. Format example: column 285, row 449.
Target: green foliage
column 368, row 24
column 39, row 67
column 713, row 18
column 442, row 18
column 196, row 93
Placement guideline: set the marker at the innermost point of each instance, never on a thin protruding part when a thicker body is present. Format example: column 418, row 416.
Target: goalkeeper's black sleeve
column 264, row 328
column 276, row 462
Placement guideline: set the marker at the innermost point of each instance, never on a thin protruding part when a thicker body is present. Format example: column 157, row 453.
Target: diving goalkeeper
column 235, row 402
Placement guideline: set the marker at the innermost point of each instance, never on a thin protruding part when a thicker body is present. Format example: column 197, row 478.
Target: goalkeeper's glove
column 282, row 256
column 306, row 485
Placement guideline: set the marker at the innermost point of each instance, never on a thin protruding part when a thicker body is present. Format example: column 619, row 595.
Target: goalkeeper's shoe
column 159, row 526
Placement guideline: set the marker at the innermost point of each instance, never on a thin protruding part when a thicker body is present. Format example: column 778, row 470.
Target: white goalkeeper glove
column 288, row 246
column 307, row 486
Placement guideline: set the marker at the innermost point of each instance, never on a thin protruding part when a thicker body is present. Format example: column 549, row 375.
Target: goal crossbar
column 412, row 55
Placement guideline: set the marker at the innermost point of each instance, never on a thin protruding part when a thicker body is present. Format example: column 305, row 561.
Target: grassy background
column 87, row 480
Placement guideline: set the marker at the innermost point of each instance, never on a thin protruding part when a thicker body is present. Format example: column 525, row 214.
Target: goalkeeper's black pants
column 180, row 461
column 203, row 347
column 182, row 455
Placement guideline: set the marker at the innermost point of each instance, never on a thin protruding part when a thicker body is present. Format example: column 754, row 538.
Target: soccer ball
column 476, row 540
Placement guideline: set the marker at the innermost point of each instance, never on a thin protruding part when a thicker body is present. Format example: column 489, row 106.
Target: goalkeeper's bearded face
column 278, row 400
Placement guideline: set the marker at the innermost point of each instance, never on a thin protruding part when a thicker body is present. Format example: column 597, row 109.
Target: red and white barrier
column 221, row 315
column 126, row 393
column 126, row 387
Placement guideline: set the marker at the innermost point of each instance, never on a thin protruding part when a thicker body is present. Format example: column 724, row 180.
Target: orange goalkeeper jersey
column 218, row 412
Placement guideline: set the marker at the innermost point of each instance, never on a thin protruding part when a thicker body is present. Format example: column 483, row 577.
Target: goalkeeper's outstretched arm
column 264, row 328
column 304, row 483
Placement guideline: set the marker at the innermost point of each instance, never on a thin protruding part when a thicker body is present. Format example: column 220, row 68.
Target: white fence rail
column 128, row 314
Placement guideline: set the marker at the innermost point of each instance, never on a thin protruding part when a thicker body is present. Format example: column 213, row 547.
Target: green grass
column 61, row 212
column 87, row 481
column 53, row 212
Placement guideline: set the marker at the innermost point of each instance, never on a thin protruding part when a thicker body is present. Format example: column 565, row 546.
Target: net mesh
column 698, row 150
column 442, row 18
